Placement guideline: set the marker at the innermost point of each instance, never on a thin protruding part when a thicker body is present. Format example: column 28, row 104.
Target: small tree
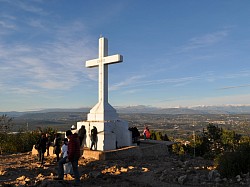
column 212, row 139
column 230, row 140
column 5, row 123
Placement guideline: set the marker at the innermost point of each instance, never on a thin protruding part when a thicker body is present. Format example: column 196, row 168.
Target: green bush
column 231, row 164
column 178, row 149
column 213, row 141
column 158, row 135
column 21, row 141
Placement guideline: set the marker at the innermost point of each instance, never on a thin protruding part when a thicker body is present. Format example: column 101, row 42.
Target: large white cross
column 102, row 110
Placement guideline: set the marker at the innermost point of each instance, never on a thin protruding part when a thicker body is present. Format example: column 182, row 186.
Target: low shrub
column 231, row 164
column 19, row 142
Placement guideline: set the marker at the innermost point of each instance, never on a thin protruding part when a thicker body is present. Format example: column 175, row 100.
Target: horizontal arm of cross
column 106, row 60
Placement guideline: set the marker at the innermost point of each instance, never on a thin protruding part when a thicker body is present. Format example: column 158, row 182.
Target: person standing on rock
column 146, row 133
column 73, row 157
column 67, row 166
column 57, row 146
column 82, row 138
column 93, row 137
column 82, row 134
column 48, row 143
column 42, row 148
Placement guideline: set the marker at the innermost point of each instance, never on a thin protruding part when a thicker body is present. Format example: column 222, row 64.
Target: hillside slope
column 23, row 169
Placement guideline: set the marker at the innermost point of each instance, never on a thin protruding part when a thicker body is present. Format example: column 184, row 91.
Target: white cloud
column 132, row 91
column 54, row 64
column 28, row 7
column 130, row 81
column 138, row 82
column 36, row 24
column 204, row 77
column 23, row 90
column 205, row 40
column 6, row 25
column 233, row 87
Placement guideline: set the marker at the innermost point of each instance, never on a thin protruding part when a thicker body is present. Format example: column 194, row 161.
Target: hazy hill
column 230, row 109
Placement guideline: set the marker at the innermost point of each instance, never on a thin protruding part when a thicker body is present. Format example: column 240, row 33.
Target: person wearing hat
column 74, row 129
column 73, row 157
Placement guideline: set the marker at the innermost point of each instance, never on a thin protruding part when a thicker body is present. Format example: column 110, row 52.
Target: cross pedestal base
column 102, row 112
column 111, row 134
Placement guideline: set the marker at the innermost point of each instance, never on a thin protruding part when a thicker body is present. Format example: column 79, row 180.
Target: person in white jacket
column 67, row 166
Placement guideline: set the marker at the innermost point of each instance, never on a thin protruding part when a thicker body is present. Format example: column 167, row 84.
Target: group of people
column 82, row 136
column 68, row 154
column 43, row 144
column 71, row 155
column 70, row 150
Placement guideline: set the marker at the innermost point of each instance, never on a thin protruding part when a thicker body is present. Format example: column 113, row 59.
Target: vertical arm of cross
column 103, row 71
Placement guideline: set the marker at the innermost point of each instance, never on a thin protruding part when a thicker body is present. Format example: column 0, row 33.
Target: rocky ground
column 24, row 170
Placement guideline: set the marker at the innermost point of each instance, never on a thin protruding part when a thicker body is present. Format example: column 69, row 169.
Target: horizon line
column 146, row 106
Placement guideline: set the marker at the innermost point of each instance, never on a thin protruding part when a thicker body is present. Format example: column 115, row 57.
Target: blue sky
column 176, row 53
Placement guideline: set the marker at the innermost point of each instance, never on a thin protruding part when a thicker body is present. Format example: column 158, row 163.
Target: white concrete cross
column 102, row 110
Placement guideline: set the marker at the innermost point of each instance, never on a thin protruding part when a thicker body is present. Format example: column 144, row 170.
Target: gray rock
column 238, row 178
column 196, row 179
column 95, row 174
column 217, row 180
column 182, row 179
column 212, row 175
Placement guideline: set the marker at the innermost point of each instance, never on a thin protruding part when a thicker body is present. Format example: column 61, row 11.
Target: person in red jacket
column 146, row 133
column 73, row 157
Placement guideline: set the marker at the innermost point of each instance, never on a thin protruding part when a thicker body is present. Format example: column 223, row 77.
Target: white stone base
column 111, row 134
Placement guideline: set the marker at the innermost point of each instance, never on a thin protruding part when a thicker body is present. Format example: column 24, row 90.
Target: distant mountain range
column 228, row 109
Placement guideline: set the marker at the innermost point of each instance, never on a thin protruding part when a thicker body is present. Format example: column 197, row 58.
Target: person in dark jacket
column 135, row 135
column 73, row 157
column 48, row 143
column 42, row 148
column 93, row 137
column 57, row 146
column 82, row 134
